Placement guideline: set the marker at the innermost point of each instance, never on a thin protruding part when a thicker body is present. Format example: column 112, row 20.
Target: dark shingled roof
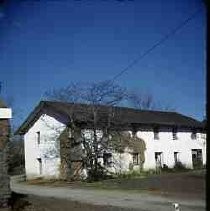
column 122, row 115
column 204, row 123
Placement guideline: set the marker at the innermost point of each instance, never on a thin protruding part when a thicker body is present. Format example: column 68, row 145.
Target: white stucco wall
column 165, row 144
column 183, row 145
column 47, row 150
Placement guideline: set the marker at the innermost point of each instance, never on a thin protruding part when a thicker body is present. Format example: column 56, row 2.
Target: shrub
column 198, row 164
column 130, row 166
column 100, row 174
column 135, row 174
column 180, row 166
column 165, row 168
column 151, row 172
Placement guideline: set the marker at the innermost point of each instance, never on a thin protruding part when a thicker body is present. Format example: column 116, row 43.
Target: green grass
column 129, row 182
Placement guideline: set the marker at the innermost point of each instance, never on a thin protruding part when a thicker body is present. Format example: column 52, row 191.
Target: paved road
column 140, row 201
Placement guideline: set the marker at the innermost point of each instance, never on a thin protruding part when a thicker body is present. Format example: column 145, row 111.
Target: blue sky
column 46, row 44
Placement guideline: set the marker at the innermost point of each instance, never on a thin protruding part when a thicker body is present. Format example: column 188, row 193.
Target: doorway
column 158, row 161
column 197, row 160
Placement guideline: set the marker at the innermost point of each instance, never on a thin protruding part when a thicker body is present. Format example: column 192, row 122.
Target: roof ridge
column 121, row 107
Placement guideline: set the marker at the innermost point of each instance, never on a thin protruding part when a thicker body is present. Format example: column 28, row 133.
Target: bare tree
column 146, row 101
column 73, row 93
column 139, row 100
column 99, row 118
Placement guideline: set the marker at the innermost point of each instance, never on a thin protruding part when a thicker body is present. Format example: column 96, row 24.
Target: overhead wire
column 155, row 45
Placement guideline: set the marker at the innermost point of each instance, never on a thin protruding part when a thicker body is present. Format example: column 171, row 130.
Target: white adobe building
column 169, row 137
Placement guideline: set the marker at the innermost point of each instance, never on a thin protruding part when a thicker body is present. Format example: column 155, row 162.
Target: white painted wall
column 183, row 145
column 47, row 150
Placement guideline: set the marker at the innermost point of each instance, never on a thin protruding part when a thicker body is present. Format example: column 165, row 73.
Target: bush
column 165, row 168
column 100, row 174
column 198, row 164
column 136, row 174
column 180, row 166
column 151, row 172
column 130, row 166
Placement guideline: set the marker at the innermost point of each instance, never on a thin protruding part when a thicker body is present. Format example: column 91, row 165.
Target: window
column 107, row 159
column 40, row 165
column 197, row 158
column 156, row 133
column 135, row 158
column 176, row 159
column 158, row 159
column 193, row 135
column 174, row 133
column 38, row 137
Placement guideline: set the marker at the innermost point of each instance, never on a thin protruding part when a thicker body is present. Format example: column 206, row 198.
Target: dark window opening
column 107, row 159
column 135, row 158
column 193, row 135
column 197, row 158
column 176, row 159
column 158, row 159
column 156, row 133
column 40, row 165
column 174, row 133
column 38, row 137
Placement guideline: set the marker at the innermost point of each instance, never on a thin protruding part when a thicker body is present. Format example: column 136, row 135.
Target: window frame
column 135, row 158
column 40, row 166
column 38, row 137
column 156, row 133
column 194, row 135
column 176, row 158
column 107, row 160
column 174, row 133
column 159, row 155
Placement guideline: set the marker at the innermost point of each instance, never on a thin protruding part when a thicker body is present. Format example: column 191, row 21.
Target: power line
column 158, row 43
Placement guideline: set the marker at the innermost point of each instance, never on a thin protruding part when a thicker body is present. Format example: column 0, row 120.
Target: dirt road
column 140, row 201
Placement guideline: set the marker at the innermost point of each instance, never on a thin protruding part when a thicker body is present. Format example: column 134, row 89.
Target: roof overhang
column 30, row 120
column 45, row 106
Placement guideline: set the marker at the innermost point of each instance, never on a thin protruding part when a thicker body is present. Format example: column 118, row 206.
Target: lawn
column 179, row 183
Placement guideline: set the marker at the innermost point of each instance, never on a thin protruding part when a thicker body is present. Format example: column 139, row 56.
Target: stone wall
column 4, row 177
